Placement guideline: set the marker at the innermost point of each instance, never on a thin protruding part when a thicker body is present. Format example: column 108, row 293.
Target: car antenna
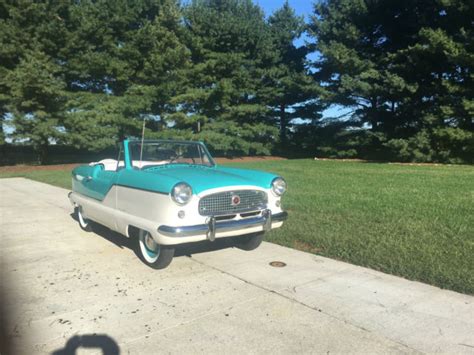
column 143, row 137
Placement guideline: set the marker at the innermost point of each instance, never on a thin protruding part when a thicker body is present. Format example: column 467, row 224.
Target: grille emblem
column 235, row 200
column 232, row 202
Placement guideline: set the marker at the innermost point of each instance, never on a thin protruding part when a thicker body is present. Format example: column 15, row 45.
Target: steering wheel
column 175, row 158
column 181, row 156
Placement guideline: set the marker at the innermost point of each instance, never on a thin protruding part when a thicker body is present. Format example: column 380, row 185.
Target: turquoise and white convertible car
column 165, row 193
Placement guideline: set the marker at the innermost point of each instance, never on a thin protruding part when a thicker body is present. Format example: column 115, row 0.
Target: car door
column 99, row 183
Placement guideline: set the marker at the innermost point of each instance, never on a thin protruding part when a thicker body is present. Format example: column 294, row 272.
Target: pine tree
column 125, row 63
column 31, row 80
column 288, row 87
column 405, row 67
column 230, row 45
column 36, row 102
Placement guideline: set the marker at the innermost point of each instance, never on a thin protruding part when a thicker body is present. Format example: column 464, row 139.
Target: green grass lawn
column 61, row 178
column 412, row 221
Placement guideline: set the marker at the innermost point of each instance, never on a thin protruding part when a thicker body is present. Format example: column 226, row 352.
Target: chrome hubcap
column 150, row 243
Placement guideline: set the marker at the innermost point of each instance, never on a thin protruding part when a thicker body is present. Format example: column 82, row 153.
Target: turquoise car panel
column 202, row 178
column 140, row 179
column 96, row 182
column 128, row 163
column 161, row 179
column 93, row 181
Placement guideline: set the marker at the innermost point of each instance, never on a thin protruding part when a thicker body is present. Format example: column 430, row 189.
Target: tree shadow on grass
column 187, row 249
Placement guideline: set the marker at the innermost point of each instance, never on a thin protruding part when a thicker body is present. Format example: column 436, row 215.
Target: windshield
column 168, row 152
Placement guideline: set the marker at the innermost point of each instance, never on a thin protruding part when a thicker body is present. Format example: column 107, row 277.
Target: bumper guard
column 213, row 226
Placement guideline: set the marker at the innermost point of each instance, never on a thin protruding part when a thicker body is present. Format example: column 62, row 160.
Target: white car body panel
column 124, row 207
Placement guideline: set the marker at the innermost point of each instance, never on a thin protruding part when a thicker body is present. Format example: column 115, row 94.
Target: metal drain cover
column 277, row 264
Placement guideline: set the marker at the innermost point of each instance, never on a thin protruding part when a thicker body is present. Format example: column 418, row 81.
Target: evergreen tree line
column 87, row 73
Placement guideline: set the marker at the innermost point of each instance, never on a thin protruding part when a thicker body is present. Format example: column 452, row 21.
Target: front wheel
column 154, row 255
column 250, row 241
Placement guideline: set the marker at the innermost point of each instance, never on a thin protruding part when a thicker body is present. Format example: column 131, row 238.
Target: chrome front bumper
column 213, row 226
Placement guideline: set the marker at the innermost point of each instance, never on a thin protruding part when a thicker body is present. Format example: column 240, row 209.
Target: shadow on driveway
column 189, row 249
column 89, row 341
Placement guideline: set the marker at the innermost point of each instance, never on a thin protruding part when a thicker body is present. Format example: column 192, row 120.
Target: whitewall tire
column 154, row 255
column 84, row 223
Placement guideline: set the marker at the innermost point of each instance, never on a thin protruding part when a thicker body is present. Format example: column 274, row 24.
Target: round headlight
column 279, row 186
column 181, row 193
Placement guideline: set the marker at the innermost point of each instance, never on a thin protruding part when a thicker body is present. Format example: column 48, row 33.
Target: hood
column 202, row 178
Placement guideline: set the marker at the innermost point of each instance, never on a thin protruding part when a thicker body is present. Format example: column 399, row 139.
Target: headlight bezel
column 177, row 193
column 279, row 186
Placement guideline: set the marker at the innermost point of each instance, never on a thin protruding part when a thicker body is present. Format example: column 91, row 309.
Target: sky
column 302, row 7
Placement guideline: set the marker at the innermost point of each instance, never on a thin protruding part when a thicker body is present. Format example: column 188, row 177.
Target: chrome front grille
column 223, row 203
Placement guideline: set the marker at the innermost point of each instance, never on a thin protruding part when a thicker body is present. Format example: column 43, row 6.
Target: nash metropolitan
column 165, row 193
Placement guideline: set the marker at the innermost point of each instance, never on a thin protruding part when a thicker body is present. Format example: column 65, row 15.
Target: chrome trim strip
column 213, row 227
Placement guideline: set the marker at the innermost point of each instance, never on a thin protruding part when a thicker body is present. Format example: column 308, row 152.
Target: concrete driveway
column 63, row 287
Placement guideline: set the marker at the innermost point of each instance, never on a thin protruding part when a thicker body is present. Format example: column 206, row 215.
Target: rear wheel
column 154, row 255
column 84, row 223
column 250, row 241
